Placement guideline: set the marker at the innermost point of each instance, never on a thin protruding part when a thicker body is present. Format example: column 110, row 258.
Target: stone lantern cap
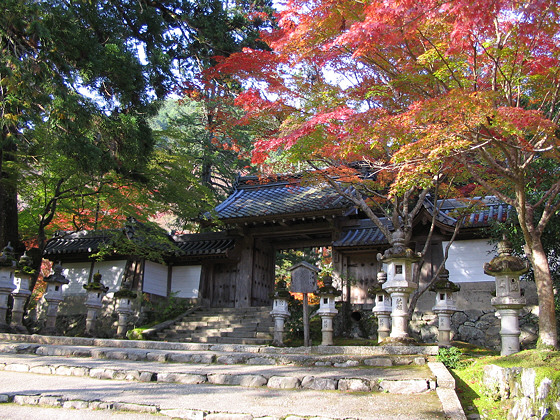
column 328, row 288
column 398, row 250
column 7, row 258
column 505, row 262
column 125, row 293
column 25, row 266
column 96, row 284
column 443, row 284
column 280, row 291
column 57, row 276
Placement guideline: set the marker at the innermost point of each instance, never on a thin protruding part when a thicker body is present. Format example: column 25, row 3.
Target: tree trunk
column 548, row 334
column 8, row 198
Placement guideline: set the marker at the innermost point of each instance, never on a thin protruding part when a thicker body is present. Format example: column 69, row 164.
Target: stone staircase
column 252, row 325
column 210, row 381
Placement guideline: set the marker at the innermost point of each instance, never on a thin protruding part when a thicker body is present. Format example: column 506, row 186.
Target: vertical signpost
column 304, row 280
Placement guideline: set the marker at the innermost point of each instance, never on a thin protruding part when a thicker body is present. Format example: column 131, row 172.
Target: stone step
column 397, row 380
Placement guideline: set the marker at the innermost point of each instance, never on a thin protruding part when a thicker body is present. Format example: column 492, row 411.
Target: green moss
column 470, row 387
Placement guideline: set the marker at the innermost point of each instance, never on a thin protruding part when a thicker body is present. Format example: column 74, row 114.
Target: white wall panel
column 466, row 260
column 185, row 281
column 78, row 274
column 155, row 279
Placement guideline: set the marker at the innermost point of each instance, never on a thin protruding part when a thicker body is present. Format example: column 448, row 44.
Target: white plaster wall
column 78, row 275
column 185, row 281
column 155, row 279
column 466, row 260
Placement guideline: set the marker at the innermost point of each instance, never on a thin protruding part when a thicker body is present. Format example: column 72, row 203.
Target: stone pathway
column 247, row 381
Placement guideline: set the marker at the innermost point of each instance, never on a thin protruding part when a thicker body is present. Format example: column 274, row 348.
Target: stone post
column 507, row 268
column 53, row 296
column 21, row 293
column 327, row 310
column 280, row 312
column 400, row 285
column 445, row 306
column 124, row 299
column 94, row 301
column 7, row 268
column 383, row 308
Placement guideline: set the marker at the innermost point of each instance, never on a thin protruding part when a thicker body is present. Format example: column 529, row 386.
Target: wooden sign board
column 304, row 278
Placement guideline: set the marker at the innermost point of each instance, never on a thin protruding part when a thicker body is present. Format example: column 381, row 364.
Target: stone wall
column 517, row 388
column 71, row 319
column 475, row 321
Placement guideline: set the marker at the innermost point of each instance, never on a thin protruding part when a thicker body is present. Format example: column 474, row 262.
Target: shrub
column 450, row 357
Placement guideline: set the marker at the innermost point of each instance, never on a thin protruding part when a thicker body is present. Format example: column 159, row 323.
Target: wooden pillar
column 244, row 278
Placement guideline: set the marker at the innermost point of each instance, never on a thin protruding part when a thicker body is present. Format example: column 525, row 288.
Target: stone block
column 228, row 416
column 231, row 360
column 146, row 376
column 43, row 370
column 410, row 386
column 544, row 389
column 132, row 375
column 51, row 400
column 190, row 378
column 17, row 367
column 221, row 379
column 251, row 381
column 354, row 385
column 4, row 398
column 283, row 382
column 202, row 358
column 260, row 361
column 181, row 413
column 27, row 399
column 138, row 408
column 318, row 384
column 101, row 405
column 64, row 370
column 528, row 383
column 156, row 357
column 76, row 404
column 348, row 363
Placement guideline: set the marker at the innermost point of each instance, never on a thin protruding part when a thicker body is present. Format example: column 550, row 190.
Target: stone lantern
column 124, row 299
column 94, row 301
column 399, row 260
column 445, row 306
column 382, row 309
column 53, row 296
column 280, row 311
column 327, row 309
column 7, row 268
column 507, row 269
column 23, row 275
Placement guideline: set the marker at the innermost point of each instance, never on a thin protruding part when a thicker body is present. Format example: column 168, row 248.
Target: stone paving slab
column 213, row 402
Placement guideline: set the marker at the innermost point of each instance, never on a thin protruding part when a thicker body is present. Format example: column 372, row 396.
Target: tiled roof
column 256, row 198
column 365, row 234
column 83, row 242
column 201, row 244
column 487, row 209
column 188, row 245
column 484, row 211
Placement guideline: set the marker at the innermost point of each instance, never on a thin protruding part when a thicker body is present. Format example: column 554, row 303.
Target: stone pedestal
column 400, row 285
column 445, row 306
column 327, row 310
column 507, row 268
column 7, row 268
column 123, row 307
column 94, row 301
column 383, row 307
column 280, row 312
column 53, row 297
column 21, row 293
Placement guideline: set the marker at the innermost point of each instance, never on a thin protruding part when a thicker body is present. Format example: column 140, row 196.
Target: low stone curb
column 345, row 384
column 49, row 400
column 446, row 391
column 430, row 350
column 208, row 357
